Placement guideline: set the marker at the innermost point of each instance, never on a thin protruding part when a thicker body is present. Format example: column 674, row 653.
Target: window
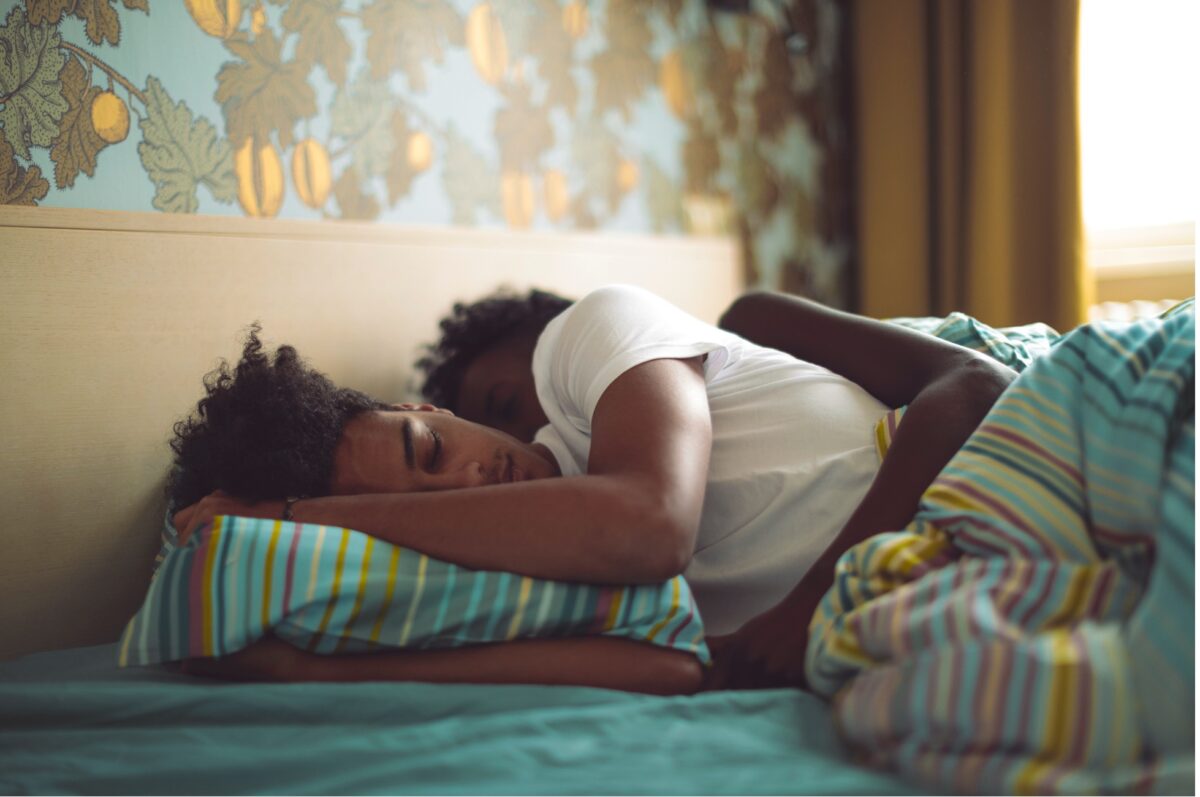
column 1138, row 117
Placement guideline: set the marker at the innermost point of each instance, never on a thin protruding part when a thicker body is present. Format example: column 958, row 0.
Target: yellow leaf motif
column 75, row 148
column 181, row 152
column 353, row 202
column 261, row 94
column 469, row 180
column 407, row 36
column 33, row 102
column 522, row 129
column 19, row 186
column 549, row 48
column 322, row 40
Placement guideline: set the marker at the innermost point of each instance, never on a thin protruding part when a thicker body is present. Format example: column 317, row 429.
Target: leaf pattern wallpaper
column 623, row 115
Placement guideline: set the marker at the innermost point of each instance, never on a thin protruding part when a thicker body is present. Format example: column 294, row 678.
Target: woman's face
column 401, row 451
column 497, row 389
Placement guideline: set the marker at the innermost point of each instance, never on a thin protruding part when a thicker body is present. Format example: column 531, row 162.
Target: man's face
column 394, row 451
column 497, row 389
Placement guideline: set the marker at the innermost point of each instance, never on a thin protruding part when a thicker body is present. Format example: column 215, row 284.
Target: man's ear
column 408, row 406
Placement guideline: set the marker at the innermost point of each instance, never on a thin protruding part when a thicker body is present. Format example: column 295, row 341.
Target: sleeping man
column 668, row 446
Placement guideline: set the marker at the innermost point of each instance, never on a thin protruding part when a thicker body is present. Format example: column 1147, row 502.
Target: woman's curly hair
column 265, row 429
column 471, row 329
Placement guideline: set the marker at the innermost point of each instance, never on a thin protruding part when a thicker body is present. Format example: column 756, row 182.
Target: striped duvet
column 1032, row 630
column 334, row 590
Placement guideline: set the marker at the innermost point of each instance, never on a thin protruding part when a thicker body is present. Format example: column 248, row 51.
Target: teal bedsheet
column 72, row 722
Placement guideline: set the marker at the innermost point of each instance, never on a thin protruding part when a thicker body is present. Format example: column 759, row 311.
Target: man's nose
column 472, row 474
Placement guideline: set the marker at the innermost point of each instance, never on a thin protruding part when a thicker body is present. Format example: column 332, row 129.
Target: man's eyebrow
column 410, row 455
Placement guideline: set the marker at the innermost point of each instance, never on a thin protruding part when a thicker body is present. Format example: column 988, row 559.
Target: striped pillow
column 334, row 590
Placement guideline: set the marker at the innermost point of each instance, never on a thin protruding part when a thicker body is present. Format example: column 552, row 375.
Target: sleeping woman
column 632, row 443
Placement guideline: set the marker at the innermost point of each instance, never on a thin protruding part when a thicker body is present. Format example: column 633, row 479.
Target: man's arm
column 948, row 390
column 632, row 519
column 604, row 662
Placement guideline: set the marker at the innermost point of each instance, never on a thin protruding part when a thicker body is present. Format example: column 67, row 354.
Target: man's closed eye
column 435, row 452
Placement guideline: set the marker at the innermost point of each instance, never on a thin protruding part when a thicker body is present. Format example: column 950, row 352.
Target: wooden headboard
column 109, row 320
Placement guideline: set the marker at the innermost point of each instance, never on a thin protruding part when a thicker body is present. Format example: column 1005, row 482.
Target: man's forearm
column 588, row 528
column 604, row 662
column 608, row 663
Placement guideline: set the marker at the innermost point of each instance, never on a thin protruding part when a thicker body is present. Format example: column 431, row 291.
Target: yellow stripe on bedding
column 316, row 560
column 882, row 440
column 661, row 624
column 614, row 610
column 206, row 593
column 335, row 592
column 123, row 658
column 947, row 496
column 358, row 599
column 387, row 597
column 1062, row 689
column 522, row 602
column 269, row 568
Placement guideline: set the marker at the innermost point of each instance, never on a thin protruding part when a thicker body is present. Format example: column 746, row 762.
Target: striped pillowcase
column 333, row 590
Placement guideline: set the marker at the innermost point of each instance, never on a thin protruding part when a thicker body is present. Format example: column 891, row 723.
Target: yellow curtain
column 967, row 151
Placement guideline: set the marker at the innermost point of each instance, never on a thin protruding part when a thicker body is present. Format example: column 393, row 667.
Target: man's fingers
column 183, row 517
column 716, row 676
column 718, row 643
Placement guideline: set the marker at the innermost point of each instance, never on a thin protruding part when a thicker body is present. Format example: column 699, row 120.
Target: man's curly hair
column 265, row 429
column 471, row 329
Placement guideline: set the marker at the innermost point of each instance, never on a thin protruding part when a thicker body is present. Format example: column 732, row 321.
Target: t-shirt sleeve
column 608, row 332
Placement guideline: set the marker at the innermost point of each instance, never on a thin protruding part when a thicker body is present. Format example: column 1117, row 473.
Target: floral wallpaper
column 671, row 117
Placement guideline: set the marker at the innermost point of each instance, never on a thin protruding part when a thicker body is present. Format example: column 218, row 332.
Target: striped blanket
column 334, row 590
column 1031, row 631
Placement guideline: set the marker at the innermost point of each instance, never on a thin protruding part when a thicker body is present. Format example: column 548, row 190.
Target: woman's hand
column 268, row 659
column 768, row 651
column 201, row 513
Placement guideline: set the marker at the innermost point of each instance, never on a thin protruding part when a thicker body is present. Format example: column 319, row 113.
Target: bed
column 107, row 322
column 73, row 723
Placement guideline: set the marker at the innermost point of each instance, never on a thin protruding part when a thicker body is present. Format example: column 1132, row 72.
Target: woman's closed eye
column 500, row 406
column 508, row 409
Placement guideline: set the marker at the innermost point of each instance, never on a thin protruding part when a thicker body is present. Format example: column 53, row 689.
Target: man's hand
column 768, row 651
column 268, row 659
column 201, row 513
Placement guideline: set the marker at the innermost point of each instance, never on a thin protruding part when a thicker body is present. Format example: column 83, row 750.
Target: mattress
column 72, row 722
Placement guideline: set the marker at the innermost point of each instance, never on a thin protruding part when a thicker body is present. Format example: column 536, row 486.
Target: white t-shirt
column 792, row 451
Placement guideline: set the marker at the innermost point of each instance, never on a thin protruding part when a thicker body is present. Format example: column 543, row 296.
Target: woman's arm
column 632, row 519
column 604, row 662
column 948, row 390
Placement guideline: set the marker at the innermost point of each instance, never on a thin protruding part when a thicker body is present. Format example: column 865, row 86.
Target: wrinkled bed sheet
column 71, row 722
